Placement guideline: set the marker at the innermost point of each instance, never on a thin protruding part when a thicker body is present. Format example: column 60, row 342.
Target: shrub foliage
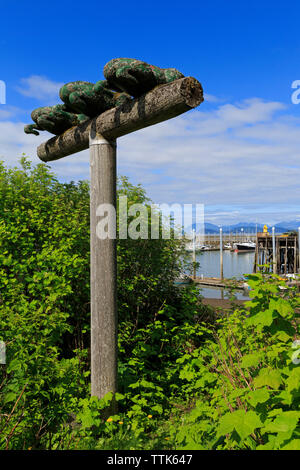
column 188, row 379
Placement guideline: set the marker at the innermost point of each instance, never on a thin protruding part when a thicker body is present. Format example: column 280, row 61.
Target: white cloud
column 14, row 142
column 7, row 112
column 211, row 98
column 231, row 155
column 39, row 87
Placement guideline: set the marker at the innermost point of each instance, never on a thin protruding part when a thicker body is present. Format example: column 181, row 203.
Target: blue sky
column 238, row 153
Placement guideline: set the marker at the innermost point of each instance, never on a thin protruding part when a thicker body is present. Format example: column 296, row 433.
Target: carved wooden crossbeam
column 162, row 103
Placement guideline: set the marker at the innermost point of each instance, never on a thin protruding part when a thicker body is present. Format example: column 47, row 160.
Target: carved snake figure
column 91, row 99
column 55, row 119
column 136, row 77
column 84, row 100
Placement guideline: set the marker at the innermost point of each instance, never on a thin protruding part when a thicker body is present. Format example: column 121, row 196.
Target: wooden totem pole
column 133, row 96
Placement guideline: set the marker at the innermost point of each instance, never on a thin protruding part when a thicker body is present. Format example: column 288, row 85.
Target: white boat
column 245, row 246
column 183, row 278
column 189, row 247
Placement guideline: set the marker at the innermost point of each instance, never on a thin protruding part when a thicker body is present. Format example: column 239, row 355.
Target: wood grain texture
column 103, row 273
column 162, row 103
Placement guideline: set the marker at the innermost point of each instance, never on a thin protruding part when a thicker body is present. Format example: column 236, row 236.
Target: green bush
column 186, row 379
column 45, row 315
column 246, row 377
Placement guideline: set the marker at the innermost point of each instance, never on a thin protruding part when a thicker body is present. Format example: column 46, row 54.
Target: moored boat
column 244, row 246
column 189, row 248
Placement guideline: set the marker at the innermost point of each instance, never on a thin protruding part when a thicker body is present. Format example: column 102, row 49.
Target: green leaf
column 258, row 396
column 283, row 307
column 250, row 360
column 293, row 381
column 292, row 445
column 275, row 412
column 106, row 400
column 286, row 422
column 285, row 397
column 282, row 330
column 226, row 425
column 9, row 397
column 243, row 422
column 119, row 396
column 207, row 378
column 187, row 374
column 14, row 365
column 283, row 336
column 269, row 445
column 87, row 419
column 157, row 408
column 264, row 318
column 269, row 377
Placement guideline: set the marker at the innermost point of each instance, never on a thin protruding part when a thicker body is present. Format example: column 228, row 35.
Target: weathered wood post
column 100, row 133
column 103, row 268
column 274, row 251
column 221, row 254
column 194, row 254
column 299, row 250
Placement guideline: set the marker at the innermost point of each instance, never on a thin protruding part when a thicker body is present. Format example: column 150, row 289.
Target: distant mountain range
column 248, row 227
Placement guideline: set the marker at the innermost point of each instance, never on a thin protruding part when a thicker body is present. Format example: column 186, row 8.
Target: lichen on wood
column 125, row 78
column 162, row 103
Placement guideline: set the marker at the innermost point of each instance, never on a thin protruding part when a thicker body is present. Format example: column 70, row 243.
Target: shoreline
column 222, row 303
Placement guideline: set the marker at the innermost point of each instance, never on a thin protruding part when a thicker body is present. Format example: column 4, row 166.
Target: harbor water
column 235, row 265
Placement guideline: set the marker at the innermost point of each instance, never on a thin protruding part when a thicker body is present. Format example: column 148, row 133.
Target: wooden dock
column 217, row 282
column 232, row 283
column 281, row 253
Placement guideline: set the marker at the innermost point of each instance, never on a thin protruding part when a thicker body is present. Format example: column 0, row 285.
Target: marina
column 235, row 265
column 207, row 274
column 279, row 254
column 220, row 265
column 211, row 242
